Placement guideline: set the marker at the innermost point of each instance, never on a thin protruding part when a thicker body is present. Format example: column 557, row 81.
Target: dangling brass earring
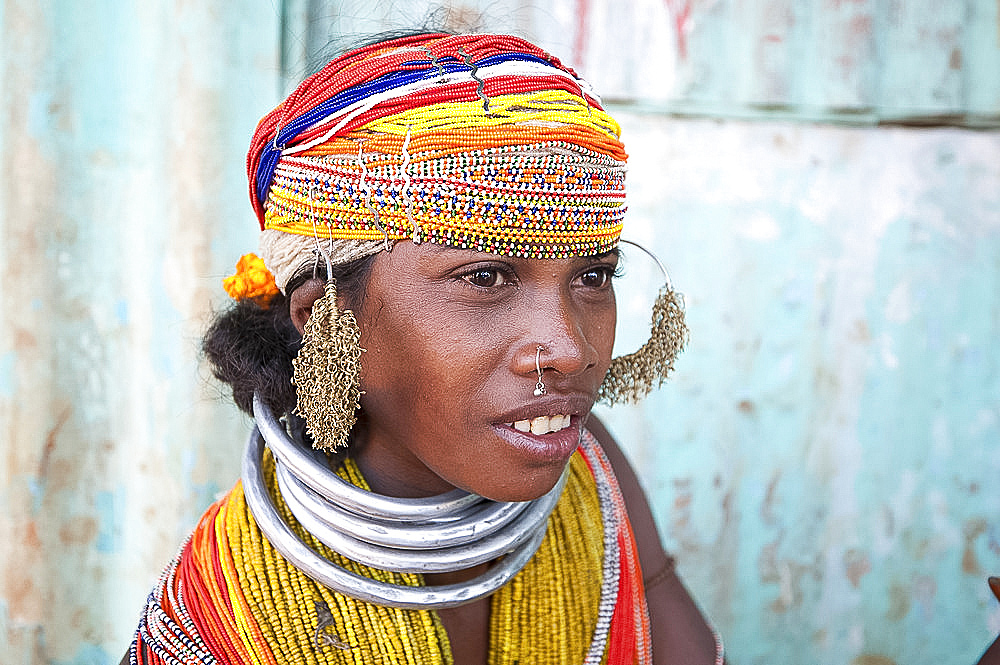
column 633, row 376
column 327, row 372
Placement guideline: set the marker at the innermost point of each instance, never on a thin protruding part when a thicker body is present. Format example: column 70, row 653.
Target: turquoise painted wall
column 823, row 463
column 122, row 131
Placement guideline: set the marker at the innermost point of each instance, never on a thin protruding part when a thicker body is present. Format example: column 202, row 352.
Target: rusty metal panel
column 123, row 202
column 845, row 61
column 824, row 461
column 854, row 61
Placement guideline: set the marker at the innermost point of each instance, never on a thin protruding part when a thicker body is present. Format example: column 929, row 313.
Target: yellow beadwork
column 549, row 106
column 546, row 615
column 539, row 174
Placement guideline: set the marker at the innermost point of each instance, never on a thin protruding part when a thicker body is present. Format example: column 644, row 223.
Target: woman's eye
column 596, row 278
column 485, row 278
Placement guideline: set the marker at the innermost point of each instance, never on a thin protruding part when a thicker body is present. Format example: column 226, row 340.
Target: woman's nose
column 566, row 350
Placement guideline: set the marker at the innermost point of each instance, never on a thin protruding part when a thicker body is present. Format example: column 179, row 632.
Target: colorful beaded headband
column 482, row 142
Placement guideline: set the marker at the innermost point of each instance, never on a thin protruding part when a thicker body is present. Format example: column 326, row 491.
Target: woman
column 432, row 319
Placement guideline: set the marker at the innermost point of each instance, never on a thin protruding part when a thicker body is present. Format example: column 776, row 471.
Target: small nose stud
column 539, row 387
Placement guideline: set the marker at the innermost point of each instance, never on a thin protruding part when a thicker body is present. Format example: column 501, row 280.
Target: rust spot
column 899, row 602
column 767, row 507
column 872, row 659
column 682, row 503
column 79, row 531
column 727, row 508
column 857, row 566
column 22, row 595
column 24, row 340
column 924, row 589
column 767, row 563
column 971, row 530
column 61, row 473
column 955, row 59
column 25, row 599
column 861, row 26
column 861, row 332
column 745, row 406
column 50, row 443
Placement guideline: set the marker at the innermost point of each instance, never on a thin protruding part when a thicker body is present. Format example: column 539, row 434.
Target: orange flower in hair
column 252, row 280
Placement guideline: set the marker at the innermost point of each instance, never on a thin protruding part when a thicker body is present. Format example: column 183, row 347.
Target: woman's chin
column 526, row 486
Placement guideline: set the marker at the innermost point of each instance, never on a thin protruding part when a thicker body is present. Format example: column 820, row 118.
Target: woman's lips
column 546, row 438
column 542, row 424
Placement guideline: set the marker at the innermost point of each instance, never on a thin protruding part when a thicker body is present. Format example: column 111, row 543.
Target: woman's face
column 449, row 369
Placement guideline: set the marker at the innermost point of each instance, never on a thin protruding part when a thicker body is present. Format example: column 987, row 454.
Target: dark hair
column 251, row 348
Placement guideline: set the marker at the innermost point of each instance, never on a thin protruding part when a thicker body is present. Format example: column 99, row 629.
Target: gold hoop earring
column 633, row 376
column 327, row 372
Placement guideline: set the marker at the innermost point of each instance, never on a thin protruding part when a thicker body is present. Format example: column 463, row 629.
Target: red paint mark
column 773, row 38
column 580, row 43
column 50, row 443
column 682, row 504
column 861, row 25
column 680, row 12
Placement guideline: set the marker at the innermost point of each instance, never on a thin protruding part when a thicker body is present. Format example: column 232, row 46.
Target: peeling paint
column 971, row 531
column 871, row 659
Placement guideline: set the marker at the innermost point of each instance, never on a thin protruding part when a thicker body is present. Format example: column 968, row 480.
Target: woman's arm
column 992, row 654
column 681, row 636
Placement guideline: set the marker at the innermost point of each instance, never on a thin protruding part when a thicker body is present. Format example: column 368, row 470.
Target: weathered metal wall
column 824, row 462
column 122, row 131
column 845, row 61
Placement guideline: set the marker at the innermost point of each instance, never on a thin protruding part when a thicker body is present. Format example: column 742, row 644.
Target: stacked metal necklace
column 445, row 533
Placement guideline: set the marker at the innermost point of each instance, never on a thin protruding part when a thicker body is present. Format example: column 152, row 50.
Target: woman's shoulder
column 640, row 515
column 679, row 630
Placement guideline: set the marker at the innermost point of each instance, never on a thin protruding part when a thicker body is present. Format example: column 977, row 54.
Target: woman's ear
column 301, row 302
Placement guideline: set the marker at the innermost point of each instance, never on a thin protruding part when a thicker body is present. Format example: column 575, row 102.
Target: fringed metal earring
column 633, row 376
column 327, row 370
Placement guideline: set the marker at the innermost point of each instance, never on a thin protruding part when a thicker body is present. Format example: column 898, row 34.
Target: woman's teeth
column 542, row 424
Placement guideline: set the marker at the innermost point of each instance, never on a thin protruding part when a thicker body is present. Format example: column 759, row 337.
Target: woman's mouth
column 542, row 424
column 548, row 439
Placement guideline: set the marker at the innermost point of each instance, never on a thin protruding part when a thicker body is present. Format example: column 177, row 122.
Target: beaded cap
column 482, row 142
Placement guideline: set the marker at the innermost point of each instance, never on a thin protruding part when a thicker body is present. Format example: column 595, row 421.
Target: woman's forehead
column 433, row 252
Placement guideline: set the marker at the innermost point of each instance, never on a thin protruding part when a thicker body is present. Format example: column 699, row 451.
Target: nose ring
column 539, row 387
